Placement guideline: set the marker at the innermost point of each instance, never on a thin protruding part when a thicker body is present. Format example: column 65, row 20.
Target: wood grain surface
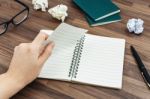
column 134, row 86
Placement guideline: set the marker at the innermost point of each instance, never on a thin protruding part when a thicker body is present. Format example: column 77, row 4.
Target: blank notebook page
column 58, row 64
column 101, row 61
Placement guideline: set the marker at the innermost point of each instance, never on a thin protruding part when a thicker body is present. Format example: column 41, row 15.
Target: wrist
column 14, row 80
column 9, row 86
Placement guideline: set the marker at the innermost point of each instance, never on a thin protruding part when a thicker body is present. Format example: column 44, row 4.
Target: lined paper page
column 58, row 64
column 102, row 61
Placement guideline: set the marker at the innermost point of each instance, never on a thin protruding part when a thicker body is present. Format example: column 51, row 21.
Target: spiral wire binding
column 76, row 58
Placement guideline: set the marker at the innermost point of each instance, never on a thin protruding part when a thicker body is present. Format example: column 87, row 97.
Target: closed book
column 97, row 9
column 107, row 20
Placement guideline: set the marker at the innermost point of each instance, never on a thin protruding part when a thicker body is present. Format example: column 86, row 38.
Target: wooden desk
column 133, row 84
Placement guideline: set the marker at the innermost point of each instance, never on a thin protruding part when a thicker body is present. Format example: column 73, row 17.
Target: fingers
column 40, row 38
column 46, row 53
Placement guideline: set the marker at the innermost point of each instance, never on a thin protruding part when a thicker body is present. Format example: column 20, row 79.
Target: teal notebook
column 97, row 9
column 107, row 20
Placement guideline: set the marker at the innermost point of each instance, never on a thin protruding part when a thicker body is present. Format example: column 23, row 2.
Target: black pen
column 141, row 66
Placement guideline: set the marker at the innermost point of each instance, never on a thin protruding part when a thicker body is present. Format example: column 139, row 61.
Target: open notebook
column 85, row 58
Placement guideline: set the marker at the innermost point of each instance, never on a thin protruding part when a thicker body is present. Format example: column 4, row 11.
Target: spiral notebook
column 84, row 58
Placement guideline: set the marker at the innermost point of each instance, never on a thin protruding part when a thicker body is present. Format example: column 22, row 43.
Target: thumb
column 46, row 53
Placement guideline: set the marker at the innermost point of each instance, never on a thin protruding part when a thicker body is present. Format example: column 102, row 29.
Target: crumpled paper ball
column 135, row 25
column 40, row 4
column 59, row 12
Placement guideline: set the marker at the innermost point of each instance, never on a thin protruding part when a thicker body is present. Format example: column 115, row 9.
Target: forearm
column 8, row 86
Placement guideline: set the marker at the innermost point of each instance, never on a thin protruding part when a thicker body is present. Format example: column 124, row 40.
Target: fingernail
column 53, row 44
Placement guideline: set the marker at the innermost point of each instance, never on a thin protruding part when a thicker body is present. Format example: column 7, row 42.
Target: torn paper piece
column 40, row 4
column 135, row 25
column 59, row 12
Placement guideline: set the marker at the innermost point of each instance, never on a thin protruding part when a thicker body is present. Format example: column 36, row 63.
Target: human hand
column 29, row 58
column 26, row 64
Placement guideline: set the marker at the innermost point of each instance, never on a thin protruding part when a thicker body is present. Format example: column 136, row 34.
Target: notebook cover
column 97, row 9
column 107, row 20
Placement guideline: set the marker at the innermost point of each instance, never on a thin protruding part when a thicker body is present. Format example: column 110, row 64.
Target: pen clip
column 148, row 84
